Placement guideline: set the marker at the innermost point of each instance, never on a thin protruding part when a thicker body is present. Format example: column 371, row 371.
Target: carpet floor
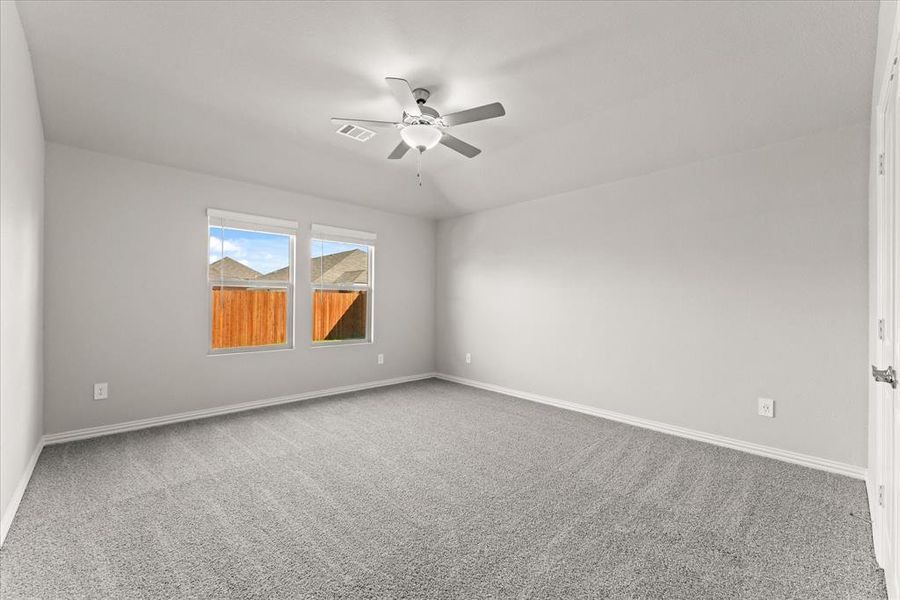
column 430, row 490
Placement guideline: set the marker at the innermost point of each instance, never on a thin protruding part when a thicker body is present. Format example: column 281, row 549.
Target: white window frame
column 233, row 220
column 327, row 233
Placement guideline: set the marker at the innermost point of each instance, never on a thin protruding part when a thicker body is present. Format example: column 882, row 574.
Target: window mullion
column 250, row 283
column 336, row 287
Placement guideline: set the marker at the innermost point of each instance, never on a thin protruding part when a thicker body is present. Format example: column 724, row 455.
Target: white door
column 886, row 518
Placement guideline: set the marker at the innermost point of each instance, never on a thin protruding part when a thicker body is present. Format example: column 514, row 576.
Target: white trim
column 329, row 233
column 228, row 216
column 336, row 343
column 892, row 582
column 10, row 513
column 91, row 432
column 796, row 458
column 881, row 535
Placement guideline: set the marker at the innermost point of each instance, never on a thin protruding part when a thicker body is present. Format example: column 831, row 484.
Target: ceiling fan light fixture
column 421, row 136
column 422, row 127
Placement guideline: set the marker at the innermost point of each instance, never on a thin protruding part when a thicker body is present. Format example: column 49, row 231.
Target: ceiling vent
column 360, row 134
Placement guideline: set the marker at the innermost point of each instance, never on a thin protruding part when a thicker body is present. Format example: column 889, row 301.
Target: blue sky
column 263, row 252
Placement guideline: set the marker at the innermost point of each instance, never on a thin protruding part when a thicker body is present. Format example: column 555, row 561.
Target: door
column 886, row 517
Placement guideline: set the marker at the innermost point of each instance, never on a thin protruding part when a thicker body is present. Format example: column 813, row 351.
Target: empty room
column 534, row 300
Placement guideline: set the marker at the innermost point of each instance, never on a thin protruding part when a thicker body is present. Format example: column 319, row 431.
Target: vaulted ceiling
column 594, row 92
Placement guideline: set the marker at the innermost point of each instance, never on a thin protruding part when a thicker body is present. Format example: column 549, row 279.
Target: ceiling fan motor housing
column 422, row 127
column 421, row 95
column 429, row 116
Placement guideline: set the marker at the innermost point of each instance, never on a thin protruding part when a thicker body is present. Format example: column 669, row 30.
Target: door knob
column 885, row 376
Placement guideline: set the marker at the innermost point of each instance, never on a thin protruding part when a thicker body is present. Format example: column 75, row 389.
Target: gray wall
column 21, row 226
column 126, row 295
column 680, row 296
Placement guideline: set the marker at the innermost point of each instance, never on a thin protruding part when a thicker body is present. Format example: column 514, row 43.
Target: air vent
column 360, row 134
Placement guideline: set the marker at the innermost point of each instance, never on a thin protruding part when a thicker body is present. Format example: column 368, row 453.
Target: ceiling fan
column 422, row 127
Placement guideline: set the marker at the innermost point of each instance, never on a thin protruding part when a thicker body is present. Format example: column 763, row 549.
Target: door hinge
column 881, row 164
column 880, row 495
column 881, row 329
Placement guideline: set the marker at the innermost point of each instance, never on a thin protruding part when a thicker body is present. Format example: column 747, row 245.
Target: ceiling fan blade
column 480, row 113
column 399, row 151
column 460, row 146
column 403, row 93
column 364, row 122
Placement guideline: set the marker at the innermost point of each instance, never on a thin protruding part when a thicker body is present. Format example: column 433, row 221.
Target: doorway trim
column 880, row 533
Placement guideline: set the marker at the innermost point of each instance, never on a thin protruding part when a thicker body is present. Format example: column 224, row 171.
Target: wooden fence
column 339, row 315
column 258, row 317
column 248, row 317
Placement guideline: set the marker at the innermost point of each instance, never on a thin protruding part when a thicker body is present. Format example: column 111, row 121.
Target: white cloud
column 259, row 252
column 216, row 249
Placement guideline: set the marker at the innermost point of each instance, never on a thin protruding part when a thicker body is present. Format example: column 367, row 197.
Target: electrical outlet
column 468, row 358
column 101, row 391
column 766, row 407
column 381, row 359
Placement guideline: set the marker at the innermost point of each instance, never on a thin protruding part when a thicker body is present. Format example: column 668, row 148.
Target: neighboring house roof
column 283, row 274
column 228, row 268
column 351, row 266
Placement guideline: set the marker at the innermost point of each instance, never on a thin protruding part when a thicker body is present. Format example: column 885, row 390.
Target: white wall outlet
column 766, row 407
column 381, row 359
column 101, row 391
column 468, row 358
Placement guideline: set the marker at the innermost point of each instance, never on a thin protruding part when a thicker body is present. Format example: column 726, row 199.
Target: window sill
column 340, row 344
column 248, row 351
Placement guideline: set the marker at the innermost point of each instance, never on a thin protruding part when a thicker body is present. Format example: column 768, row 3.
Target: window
column 251, row 282
column 341, row 276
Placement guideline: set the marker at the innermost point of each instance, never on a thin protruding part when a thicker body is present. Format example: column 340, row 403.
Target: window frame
column 323, row 236
column 256, row 224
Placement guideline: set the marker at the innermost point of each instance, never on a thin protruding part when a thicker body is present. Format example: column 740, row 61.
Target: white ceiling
column 594, row 92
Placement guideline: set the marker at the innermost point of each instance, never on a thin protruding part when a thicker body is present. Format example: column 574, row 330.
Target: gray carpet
column 430, row 490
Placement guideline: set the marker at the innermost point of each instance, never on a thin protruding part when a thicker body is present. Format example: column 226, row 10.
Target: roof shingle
column 351, row 266
column 228, row 268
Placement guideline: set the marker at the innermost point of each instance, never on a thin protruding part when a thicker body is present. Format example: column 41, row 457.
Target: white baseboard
column 806, row 460
column 90, row 432
column 10, row 513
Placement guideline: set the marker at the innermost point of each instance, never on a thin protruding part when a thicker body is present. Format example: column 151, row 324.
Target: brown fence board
column 258, row 317
column 338, row 315
column 248, row 317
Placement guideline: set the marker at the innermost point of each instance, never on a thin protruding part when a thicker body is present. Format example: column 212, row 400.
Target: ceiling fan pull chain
column 419, row 168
